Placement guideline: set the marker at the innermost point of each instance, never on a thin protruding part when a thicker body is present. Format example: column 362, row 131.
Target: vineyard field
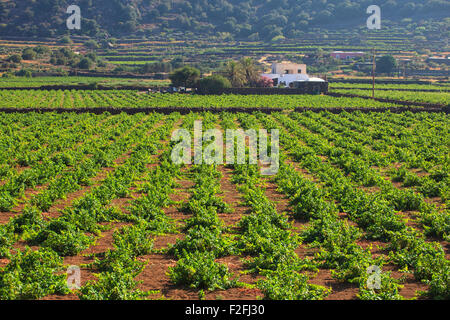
column 394, row 86
column 352, row 191
column 439, row 98
column 135, row 99
column 36, row 82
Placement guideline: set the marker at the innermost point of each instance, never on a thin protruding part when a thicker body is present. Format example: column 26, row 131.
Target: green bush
column 199, row 270
column 134, row 239
column 214, row 82
column 112, row 286
column 32, row 275
column 29, row 54
column 287, row 284
column 203, row 239
column 7, row 239
column 15, row 58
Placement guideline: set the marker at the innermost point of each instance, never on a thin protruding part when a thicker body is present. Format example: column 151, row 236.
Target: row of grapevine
column 133, row 99
column 440, row 98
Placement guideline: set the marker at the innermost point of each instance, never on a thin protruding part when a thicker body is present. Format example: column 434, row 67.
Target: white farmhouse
column 288, row 68
column 288, row 73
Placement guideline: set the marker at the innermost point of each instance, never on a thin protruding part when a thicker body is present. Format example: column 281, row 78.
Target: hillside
column 239, row 19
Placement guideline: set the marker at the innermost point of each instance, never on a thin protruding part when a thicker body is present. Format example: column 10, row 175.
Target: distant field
column 46, row 81
column 130, row 62
column 442, row 98
column 417, row 87
column 133, row 57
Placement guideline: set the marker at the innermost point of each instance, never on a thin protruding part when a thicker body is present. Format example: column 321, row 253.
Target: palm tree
column 235, row 74
column 250, row 70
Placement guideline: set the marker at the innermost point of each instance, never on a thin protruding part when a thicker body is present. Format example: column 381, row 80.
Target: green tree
column 386, row 64
column 24, row 73
column 92, row 56
column 85, row 63
column 16, row 58
column 235, row 74
column 66, row 40
column 213, row 82
column 185, row 77
column 91, row 44
column 29, row 54
column 251, row 72
column 41, row 50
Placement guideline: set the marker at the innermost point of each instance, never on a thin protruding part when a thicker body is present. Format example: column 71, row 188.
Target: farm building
column 288, row 68
column 288, row 73
column 439, row 60
column 341, row 55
